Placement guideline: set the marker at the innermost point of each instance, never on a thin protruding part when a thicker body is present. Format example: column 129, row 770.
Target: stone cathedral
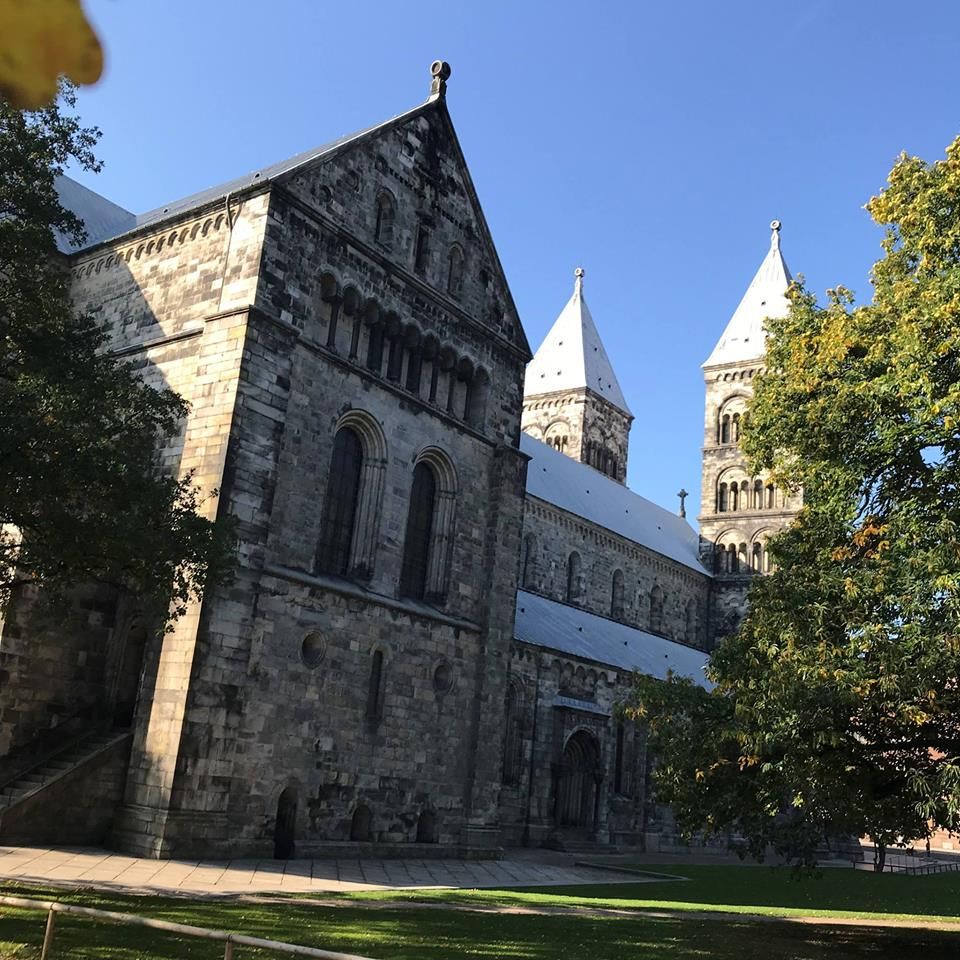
column 443, row 585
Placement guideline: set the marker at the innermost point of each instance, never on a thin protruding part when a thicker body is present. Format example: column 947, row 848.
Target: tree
column 836, row 706
column 81, row 495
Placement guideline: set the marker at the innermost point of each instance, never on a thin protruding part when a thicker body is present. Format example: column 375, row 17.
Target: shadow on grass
column 423, row 934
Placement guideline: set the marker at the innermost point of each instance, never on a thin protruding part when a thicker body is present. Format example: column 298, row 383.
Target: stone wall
column 556, row 534
column 734, row 524
column 582, row 425
column 557, row 697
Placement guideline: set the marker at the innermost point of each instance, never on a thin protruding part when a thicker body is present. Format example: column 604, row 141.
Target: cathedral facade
column 443, row 586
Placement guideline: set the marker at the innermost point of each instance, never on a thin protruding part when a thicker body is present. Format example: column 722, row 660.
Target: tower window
column 656, row 609
column 455, row 272
column 616, row 596
column 375, row 686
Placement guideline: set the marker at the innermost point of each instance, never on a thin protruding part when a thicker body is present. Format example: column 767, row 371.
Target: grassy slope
column 399, row 933
column 772, row 891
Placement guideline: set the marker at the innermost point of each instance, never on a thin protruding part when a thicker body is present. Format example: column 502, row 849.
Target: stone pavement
column 101, row 868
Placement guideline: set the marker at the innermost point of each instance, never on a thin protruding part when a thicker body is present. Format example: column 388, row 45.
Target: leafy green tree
column 81, row 495
column 836, row 706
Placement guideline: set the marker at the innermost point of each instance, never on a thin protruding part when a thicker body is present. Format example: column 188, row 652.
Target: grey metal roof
column 573, row 356
column 102, row 224
column 580, row 489
column 744, row 337
column 101, row 217
column 557, row 626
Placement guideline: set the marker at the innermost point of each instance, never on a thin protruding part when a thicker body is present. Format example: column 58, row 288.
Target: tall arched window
column 757, row 494
column 528, row 563
column 616, row 595
column 691, row 624
column 656, row 609
column 386, row 215
column 744, row 495
column 735, row 428
column 416, row 543
column 455, row 271
column 734, row 496
column 722, row 498
column 743, row 560
column 573, row 578
column 340, row 504
column 375, row 686
column 732, row 565
column 725, row 429
column 770, row 494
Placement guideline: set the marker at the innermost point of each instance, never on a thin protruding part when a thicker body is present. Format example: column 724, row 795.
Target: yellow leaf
column 39, row 41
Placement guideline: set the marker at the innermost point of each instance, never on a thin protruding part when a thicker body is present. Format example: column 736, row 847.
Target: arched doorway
column 578, row 782
column 129, row 673
column 283, row 831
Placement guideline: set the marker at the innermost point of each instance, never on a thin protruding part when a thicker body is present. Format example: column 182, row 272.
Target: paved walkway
column 101, row 868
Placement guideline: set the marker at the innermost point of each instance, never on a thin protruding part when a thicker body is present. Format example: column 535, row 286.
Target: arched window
column 386, row 215
column 722, row 498
column 757, row 494
column 656, row 609
column 744, row 495
column 743, row 560
column 375, row 687
column 725, row 429
column 421, row 253
column 528, row 563
column 416, row 543
column 573, row 578
column 455, row 271
column 340, row 504
column 735, row 428
column 732, row 565
column 375, row 348
column 513, row 740
column 734, row 496
column 428, row 539
column 691, row 625
column 770, row 494
column 767, row 565
column 616, row 596
column 360, row 824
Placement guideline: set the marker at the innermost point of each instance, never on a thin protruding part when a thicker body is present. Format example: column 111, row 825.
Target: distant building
column 433, row 612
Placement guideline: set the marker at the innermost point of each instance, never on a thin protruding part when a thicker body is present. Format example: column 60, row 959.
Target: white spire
column 744, row 337
column 572, row 356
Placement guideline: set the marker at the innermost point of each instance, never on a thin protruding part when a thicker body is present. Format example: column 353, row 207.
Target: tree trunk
column 879, row 857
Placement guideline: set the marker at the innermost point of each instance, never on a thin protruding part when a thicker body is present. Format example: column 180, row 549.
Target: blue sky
column 651, row 143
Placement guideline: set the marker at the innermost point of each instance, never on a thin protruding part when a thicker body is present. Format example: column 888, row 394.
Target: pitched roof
column 579, row 489
column 566, row 629
column 744, row 338
column 572, row 355
column 101, row 217
column 102, row 227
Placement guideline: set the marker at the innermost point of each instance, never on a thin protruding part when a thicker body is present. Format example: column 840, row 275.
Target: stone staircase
column 579, row 843
column 46, row 773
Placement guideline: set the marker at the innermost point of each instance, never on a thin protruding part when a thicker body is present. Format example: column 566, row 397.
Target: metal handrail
column 53, row 907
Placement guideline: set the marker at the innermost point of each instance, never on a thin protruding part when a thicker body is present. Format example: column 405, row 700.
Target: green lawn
column 407, row 932
column 771, row 891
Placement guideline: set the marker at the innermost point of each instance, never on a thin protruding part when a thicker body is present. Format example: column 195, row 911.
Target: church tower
column 572, row 400
column 739, row 511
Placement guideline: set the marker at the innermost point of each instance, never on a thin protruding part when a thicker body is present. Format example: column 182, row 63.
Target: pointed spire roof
column 744, row 337
column 572, row 355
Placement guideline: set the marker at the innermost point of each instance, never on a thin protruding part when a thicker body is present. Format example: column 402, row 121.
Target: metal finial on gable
column 775, row 226
column 440, row 72
column 578, row 282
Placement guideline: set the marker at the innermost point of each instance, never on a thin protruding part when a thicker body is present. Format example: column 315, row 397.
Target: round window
column 313, row 648
column 442, row 677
